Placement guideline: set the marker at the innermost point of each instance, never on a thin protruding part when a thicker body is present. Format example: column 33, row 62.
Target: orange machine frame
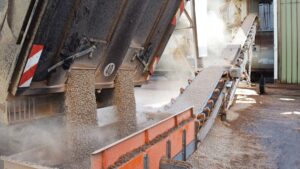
column 170, row 129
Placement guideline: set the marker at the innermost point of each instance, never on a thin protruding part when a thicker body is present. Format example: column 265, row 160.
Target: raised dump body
column 43, row 40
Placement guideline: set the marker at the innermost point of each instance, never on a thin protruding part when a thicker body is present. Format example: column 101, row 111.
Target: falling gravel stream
column 124, row 101
column 80, row 108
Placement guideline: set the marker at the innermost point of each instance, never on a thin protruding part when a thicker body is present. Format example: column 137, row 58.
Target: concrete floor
column 260, row 132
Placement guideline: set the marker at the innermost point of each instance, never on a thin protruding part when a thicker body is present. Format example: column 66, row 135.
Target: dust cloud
column 46, row 134
column 43, row 142
column 222, row 23
column 218, row 36
column 172, row 73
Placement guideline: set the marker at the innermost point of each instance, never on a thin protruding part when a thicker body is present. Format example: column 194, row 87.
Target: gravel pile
column 124, row 101
column 80, row 108
column 227, row 148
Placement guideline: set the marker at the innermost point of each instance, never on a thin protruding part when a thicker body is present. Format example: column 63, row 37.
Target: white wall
column 201, row 19
column 275, row 40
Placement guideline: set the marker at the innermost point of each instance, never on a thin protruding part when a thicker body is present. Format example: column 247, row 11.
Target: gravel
column 7, row 61
column 80, row 108
column 124, row 101
column 227, row 148
column 3, row 9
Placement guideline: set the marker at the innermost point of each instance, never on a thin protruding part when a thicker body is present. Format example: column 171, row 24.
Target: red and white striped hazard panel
column 179, row 12
column 31, row 65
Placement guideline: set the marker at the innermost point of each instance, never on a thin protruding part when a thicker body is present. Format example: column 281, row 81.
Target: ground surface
column 260, row 132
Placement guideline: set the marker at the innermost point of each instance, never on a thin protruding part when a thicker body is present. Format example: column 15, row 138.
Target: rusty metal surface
column 147, row 142
column 54, row 25
column 150, row 34
column 121, row 40
column 118, row 29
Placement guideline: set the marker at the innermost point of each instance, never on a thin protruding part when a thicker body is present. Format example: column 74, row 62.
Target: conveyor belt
column 199, row 91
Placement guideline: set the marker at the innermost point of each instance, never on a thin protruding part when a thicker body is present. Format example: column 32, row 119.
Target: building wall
column 289, row 41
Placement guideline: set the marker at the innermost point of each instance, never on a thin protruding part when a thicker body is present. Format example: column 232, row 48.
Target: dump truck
column 42, row 41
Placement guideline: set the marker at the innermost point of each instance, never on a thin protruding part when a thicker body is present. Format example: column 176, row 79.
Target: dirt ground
column 260, row 132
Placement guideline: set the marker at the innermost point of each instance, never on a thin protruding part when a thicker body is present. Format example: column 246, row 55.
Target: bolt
column 201, row 116
column 207, row 111
column 182, row 90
